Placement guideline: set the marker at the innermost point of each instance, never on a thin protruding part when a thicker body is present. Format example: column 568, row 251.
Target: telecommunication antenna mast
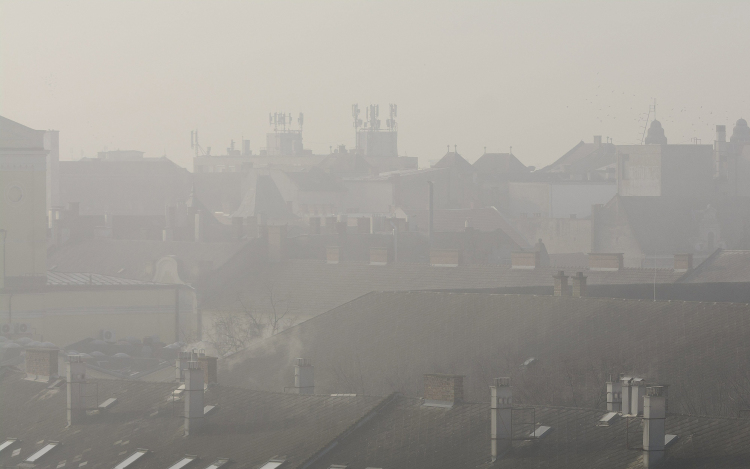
column 195, row 145
column 651, row 110
column 357, row 124
column 391, row 122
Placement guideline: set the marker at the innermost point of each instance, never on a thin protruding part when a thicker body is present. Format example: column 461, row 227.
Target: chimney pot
column 654, row 416
column 304, row 377
column 442, row 390
column 501, row 409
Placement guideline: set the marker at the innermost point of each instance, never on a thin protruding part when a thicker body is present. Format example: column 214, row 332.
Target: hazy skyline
column 537, row 76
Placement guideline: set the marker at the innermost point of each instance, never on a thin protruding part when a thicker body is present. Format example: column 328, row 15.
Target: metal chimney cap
column 502, row 382
column 193, row 366
column 655, row 391
column 304, row 362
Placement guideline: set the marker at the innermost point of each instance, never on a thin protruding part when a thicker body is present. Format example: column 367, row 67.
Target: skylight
column 607, row 419
column 7, row 443
column 45, row 449
column 273, row 464
column 540, row 432
column 183, row 462
column 218, row 463
column 131, row 459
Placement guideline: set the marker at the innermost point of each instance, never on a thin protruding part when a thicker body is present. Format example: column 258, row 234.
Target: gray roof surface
column 384, row 342
column 721, row 266
column 410, row 435
column 249, row 427
column 82, row 279
column 135, row 259
column 311, row 287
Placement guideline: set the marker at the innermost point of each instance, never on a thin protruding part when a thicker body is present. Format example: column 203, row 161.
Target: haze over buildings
column 374, row 236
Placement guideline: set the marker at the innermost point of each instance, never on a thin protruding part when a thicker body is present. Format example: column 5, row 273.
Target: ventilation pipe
column 182, row 362
column 76, row 381
column 625, row 394
column 194, row 389
column 304, row 377
column 614, row 395
column 637, row 391
column 654, row 416
column 501, row 428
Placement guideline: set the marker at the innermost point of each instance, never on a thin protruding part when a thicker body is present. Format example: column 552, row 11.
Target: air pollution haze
column 374, row 235
column 537, row 76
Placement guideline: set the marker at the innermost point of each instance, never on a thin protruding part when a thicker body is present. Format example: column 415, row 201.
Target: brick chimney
column 304, row 377
column 209, row 365
column 194, row 389
column 525, row 260
column 578, row 284
column 378, row 255
column 41, row 363
column 501, row 429
column 683, row 262
column 76, row 389
column 654, row 416
column 601, row 261
column 561, row 284
column 333, row 254
column 443, row 390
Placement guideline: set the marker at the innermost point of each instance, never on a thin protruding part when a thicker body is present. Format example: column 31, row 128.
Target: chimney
column 333, row 254
column 600, row 261
column 182, row 360
column 443, row 390
column 209, row 365
column 304, row 377
column 76, row 382
column 194, row 389
column 625, row 395
column 637, row 390
column 378, row 255
column 578, row 284
column 314, row 225
column 683, row 262
column 654, row 416
column 41, row 363
column 561, row 284
column 598, row 140
column 614, row 395
column 501, row 429
column 525, row 260
column 721, row 133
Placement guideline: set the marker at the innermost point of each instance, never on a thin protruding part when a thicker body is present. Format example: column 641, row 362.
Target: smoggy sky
column 537, row 76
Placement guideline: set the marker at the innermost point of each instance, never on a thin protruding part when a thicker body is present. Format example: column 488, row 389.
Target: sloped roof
column 56, row 279
column 17, row 136
column 721, row 266
column 134, row 259
column 455, row 161
column 499, row 163
column 248, row 427
column 483, row 219
column 263, row 197
column 583, row 157
column 667, row 225
column 311, row 287
column 385, row 341
column 410, row 435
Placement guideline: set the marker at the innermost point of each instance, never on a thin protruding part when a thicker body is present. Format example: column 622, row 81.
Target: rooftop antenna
column 651, row 110
column 195, row 145
column 357, row 124
column 301, row 121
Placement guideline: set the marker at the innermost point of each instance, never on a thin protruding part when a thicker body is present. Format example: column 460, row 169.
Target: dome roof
column 741, row 132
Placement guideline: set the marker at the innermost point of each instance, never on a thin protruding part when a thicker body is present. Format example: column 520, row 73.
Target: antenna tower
column 651, row 111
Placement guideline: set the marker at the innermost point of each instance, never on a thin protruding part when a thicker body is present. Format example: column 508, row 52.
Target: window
column 45, row 449
column 131, row 459
column 218, row 463
column 7, row 444
column 183, row 462
column 273, row 464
